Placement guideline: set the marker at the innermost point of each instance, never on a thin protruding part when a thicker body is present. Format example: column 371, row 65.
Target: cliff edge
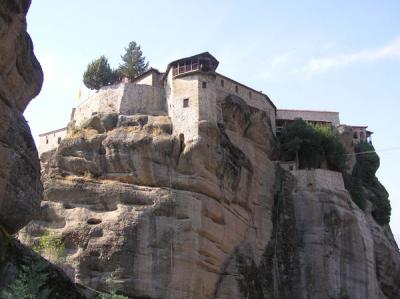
column 141, row 211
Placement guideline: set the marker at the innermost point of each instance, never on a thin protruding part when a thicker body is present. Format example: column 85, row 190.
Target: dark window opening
column 185, row 103
column 355, row 135
column 222, row 83
column 236, row 89
column 47, row 141
column 204, row 84
column 250, row 94
column 59, row 140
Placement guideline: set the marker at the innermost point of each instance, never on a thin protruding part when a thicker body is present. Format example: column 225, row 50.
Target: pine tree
column 99, row 74
column 134, row 63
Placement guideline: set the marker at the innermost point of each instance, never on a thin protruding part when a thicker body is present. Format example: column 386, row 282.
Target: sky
column 323, row 55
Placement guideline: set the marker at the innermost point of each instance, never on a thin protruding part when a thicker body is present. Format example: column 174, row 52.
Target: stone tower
column 191, row 93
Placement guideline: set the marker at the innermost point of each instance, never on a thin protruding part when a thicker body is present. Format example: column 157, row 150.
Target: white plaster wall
column 318, row 179
column 184, row 120
column 146, row 80
column 49, row 141
column 256, row 100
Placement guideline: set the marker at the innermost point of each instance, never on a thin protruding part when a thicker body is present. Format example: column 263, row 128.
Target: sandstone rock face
column 143, row 212
column 146, row 213
column 21, row 190
column 21, row 78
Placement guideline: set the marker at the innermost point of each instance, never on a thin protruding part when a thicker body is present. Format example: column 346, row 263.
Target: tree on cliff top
column 312, row 146
column 133, row 62
column 99, row 74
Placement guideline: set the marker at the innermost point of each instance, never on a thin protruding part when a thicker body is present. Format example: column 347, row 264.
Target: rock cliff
column 141, row 211
column 21, row 190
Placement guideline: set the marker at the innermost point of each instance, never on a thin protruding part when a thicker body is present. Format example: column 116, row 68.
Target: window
column 222, row 83
column 59, row 140
column 355, row 135
column 204, row 84
column 236, row 88
column 47, row 141
column 185, row 103
column 250, row 94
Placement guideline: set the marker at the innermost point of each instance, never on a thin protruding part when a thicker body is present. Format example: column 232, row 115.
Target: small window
column 185, row 103
column 204, row 84
column 237, row 89
column 59, row 140
column 47, row 141
column 355, row 135
column 250, row 94
column 222, row 83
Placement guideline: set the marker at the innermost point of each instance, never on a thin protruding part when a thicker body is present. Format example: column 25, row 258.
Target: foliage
column 29, row 284
column 133, row 62
column 99, row 74
column 367, row 162
column 312, row 146
column 380, row 198
column 51, row 246
column 363, row 178
column 355, row 188
column 112, row 295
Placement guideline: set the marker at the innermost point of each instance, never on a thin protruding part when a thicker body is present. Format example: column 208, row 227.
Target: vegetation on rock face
column 51, row 247
column 29, row 283
column 354, row 186
column 312, row 146
column 133, row 62
column 275, row 276
column 365, row 169
column 99, row 74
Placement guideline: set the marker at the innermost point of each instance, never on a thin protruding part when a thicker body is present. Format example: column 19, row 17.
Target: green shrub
column 312, row 146
column 367, row 162
column 51, row 247
column 355, row 188
column 29, row 283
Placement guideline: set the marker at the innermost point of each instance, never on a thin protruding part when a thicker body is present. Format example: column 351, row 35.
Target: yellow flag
column 79, row 95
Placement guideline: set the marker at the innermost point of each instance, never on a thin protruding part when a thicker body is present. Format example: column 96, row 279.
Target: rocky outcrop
column 141, row 211
column 21, row 190
column 21, row 78
column 144, row 212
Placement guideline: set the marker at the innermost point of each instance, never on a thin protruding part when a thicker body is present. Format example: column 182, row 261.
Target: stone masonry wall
column 143, row 99
column 105, row 100
column 124, row 98
column 319, row 179
column 184, row 119
column 323, row 116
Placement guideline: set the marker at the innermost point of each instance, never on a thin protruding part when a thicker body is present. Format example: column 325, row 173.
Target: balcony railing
column 187, row 67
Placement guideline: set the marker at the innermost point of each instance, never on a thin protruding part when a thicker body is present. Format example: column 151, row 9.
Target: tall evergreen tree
column 99, row 74
column 133, row 62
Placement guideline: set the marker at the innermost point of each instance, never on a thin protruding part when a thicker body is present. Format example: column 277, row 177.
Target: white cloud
column 317, row 65
column 273, row 68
